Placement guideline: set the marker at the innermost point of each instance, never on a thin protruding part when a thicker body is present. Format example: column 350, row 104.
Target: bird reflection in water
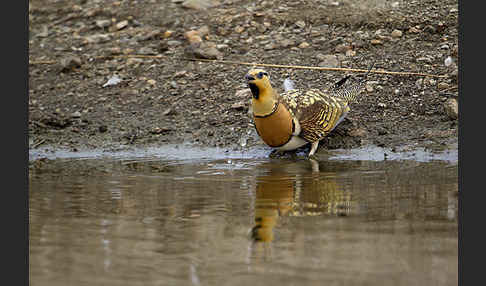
column 285, row 192
column 274, row 198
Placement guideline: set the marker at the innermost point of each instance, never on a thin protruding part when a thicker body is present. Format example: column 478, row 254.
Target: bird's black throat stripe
column 254, row 90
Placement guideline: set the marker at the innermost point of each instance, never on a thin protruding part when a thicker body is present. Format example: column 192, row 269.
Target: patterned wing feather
column 317, row 112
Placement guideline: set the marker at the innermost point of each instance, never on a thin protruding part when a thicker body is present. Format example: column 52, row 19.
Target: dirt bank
column 75, row 47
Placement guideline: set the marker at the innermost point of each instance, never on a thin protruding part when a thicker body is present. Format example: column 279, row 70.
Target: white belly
column 294, row 143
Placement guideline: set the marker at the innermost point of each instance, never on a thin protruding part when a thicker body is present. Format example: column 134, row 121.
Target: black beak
column 249, row 77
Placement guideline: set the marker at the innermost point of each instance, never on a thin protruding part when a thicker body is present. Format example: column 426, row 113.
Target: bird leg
column 314, row 165
column 313, row 148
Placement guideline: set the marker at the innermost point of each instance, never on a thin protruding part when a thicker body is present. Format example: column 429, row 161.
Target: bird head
column 259, row 82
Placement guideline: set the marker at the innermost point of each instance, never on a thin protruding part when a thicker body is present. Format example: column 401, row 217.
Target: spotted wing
column 318, row 113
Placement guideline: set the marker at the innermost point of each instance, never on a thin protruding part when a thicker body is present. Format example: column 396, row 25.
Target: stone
column 442, row 85
column 376, row 42
column 156, row 130
column 369, row 88
column 169, row 111
column 206, row 50
column 96, row 39
column 419, row 83
column 350, row 53
column 200, row 4
column 451, row 108
column 222, row 47
column 300, row 24
column 342, row 48
column 44, row 33
column 425, row 59
column 396, row 33
column 154, row 34
column 239, row 105
column 304, row 45
column 448, row 61
column 330, row 61
column 69, row 63
column 103, row 23
column 358, row 132
column 121, row 25
column 167, row 34
column 270, row 46
column 239, row 29
column 173, row 43
column 134, row 62
column 76, row 114
column 193, row 37
column 147, row 51
column 382, row 105
column 286, row 43
column 414, row 30
column 203, row 31
column 114, row 80
column 115, row 51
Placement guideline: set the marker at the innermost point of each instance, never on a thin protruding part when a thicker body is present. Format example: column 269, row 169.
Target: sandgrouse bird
column 295, row 117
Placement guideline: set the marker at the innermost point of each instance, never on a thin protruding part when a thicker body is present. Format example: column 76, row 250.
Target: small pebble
column 103, row 23
column 76, row 114
column 451, row 108
column 121, row 25
column 396, row 33
column 448, row 61
column 304, row 45
column 300, row 24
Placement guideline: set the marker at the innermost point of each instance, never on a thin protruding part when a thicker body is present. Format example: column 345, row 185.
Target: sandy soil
column 75, row 47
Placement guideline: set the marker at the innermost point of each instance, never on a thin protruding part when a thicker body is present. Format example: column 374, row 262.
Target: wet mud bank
column 87, row 93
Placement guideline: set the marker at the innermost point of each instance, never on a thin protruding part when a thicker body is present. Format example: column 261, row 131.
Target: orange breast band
column 276, row 129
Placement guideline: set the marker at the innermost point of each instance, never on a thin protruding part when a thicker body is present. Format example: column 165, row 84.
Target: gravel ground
column 76, row 47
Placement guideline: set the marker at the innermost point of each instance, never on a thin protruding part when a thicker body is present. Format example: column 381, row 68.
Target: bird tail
column 350, row 93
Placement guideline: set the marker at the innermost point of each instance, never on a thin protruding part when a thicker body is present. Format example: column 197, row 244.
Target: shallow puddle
column 219, row 219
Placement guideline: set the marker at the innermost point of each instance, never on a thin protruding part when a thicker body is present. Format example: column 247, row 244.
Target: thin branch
column 259, row 65
column 315, row 68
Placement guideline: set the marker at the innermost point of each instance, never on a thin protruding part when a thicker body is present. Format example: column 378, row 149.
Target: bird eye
column 261, row 74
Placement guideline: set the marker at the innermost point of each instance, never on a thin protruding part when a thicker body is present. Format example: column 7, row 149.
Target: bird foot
column 274, row 154
column 312, row 157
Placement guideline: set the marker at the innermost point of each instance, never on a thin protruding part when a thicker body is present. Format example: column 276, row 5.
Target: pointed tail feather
column 350, row 93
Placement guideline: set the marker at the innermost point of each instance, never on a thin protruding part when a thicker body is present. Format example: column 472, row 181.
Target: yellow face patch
column 258, row 82
column 257, row 74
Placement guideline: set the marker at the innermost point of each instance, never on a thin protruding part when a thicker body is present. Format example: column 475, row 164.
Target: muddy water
column 243, row 221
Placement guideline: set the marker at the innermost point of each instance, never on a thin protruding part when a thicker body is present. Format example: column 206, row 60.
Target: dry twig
column 258, row 65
